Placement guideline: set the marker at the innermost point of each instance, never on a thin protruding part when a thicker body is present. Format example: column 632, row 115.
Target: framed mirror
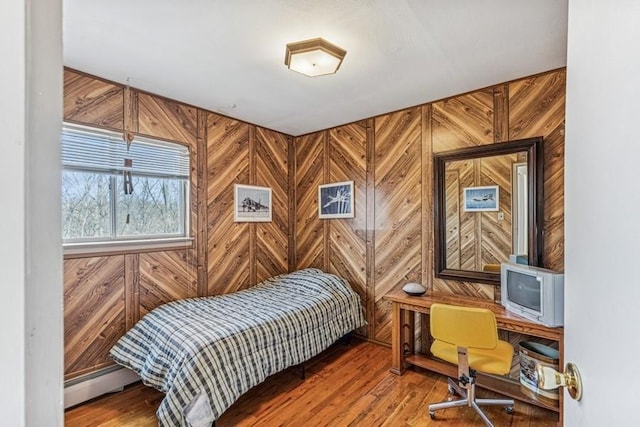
column 488, row 209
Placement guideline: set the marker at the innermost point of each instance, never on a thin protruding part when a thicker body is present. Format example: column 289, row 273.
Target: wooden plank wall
column 458, row 122
column 228, row 245
column 397, row 213
column 106, row 294
column 94, row 311
column 391, row 164
column 272, row 170
column 309, row 157
column 388, row 243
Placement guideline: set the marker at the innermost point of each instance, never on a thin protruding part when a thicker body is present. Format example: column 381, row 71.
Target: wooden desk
column 404, row 308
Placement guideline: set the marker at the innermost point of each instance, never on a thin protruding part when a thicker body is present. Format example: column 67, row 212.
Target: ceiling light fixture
column 314, row 57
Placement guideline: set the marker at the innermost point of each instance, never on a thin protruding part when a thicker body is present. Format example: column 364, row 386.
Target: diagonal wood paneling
column 94, row 312
column 167, row 119
column 347, row 245
column 536, row 107
column 398, row 217
column 228, row 242
column 272, row 239
column 309, row 174
column 464, row 121
column 166, row 276
column 385, row 164
column 92, row 101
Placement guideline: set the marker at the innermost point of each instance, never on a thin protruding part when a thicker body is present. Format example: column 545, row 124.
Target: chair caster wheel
column 509, row 410
column 432, row 415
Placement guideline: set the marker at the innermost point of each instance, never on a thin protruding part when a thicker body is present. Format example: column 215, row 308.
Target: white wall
column 602, row 207
column 12, row 259
column 30, row 252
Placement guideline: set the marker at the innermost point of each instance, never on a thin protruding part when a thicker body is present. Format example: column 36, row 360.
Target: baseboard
column 83, row 389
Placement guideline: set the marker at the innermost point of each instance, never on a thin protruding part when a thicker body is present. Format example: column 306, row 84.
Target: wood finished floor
column 344, row 386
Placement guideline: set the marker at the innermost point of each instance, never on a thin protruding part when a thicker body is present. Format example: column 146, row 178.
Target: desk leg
column 397, row 340
column 409, row 334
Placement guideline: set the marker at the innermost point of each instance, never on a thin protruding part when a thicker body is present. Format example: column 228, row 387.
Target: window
column 114, row 194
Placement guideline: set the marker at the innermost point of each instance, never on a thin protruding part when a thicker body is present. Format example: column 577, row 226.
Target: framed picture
column 251, row 203
column 336, row 200
column 481, row 199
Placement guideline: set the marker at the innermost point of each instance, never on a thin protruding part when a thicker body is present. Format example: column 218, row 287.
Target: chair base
column 468, row 399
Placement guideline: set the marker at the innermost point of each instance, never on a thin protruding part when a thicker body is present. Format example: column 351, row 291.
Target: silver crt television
column 533, row 293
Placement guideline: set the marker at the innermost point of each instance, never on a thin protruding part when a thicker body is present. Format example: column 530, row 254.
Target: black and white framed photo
column 251, row 203
column 482, row 199
column 336, row 200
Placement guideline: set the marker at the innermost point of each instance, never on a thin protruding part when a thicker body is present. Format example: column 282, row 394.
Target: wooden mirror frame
column 533, row 148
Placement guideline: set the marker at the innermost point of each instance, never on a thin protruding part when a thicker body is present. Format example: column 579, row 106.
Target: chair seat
column 495, row 361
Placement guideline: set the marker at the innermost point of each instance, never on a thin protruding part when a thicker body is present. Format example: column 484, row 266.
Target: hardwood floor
column 344, row 386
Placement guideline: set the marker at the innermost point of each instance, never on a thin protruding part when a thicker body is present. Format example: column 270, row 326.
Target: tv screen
column 523, row 289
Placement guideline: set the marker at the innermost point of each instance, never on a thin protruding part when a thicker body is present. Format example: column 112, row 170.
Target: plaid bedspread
column 219, row 347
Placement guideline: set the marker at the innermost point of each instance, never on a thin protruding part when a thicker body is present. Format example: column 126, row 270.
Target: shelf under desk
column 404, row 308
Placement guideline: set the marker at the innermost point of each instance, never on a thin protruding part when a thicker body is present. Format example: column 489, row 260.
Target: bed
column 204, row 353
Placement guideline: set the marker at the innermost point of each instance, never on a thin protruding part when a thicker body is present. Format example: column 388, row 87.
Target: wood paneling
column 167, row 119
column 309, row 174
column 398, row 178
column 464, row 121
column 388, row 243
column 93, row 101
column 228, row 244
column 166, row 276
column 163, row 118
column 226, row 256
column 536, row 108
column 132, row 289
column 398, row 233
column 94, row 312
column 347, row 257
column 272, row 170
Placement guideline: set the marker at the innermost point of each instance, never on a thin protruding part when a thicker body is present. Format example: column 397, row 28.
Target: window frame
column 115, row 243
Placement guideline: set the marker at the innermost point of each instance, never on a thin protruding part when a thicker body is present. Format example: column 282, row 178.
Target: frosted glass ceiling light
column 314, row 57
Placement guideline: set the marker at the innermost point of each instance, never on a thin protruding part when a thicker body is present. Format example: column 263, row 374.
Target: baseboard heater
column 97, row 383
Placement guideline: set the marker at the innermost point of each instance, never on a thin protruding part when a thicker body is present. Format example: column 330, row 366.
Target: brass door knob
column 549, row 379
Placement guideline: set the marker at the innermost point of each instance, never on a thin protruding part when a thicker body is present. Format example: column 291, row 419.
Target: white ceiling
column 227, row 56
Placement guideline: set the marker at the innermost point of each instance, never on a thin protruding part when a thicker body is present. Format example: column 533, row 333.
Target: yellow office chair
column 468, row 337
column 494, row 268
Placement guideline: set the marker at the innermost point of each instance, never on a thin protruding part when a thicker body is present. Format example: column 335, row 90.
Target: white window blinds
column 105, row 151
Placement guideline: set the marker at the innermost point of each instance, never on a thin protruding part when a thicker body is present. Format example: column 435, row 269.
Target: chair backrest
column 495, row 268
column 464, row 326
